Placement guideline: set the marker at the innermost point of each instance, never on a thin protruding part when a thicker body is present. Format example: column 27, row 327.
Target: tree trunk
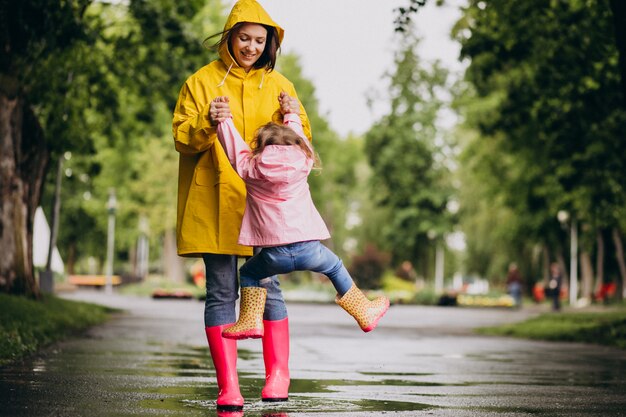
column 70, row 262
column 599, row 263
column 172, row 263
column 586, row 270
column 619, row 254
column 23, row 160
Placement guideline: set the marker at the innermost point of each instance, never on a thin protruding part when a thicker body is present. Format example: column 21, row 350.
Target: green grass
column 27, row 325
column 605, row 327
column 153, row 282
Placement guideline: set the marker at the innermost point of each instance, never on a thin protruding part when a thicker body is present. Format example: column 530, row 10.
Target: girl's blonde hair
column 275, row 134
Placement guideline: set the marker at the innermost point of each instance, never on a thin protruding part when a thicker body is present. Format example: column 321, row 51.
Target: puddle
column 305, row 395
column 297, row 404
column 395, row 374
column 177, row 380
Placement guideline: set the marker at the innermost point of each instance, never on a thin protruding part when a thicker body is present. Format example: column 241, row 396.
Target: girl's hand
column 288, row 104
column 219, row 110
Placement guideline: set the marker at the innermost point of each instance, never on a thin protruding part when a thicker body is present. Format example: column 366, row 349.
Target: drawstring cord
column 224, row 79
column 228, row 72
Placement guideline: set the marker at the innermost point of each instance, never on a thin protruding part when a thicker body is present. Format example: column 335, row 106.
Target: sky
column 346, row 46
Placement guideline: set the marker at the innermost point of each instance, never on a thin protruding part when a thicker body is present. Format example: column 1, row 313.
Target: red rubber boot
column 276, row 358
column 224, row 356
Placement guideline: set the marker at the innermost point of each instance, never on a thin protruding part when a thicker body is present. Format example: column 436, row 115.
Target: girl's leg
column 317, row 257
column 219, row 312
column 261, row 271
column 254, row 295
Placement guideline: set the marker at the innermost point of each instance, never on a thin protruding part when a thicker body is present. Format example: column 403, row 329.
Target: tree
column 134, row 154
column 409, row 164
column 618, row 10
column 37, row 39
column 550, row 106
column 69, row 74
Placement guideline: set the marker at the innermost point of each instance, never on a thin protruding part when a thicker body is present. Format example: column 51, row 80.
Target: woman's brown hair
column 274, row 134
column 272, row 44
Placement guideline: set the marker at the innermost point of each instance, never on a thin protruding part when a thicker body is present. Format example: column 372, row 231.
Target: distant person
column 211, row 197
column 553, row 290
column 281, row 219
column 514, row 284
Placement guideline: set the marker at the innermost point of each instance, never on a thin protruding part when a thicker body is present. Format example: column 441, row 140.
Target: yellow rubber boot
column 251, row 308
column 367, row 313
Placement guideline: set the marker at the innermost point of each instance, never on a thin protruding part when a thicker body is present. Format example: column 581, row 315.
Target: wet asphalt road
column 152, row 360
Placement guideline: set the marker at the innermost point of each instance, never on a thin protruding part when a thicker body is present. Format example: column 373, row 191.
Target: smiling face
column 247, row 44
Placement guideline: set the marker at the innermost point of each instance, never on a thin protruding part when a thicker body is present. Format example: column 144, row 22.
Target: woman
column 211, row 196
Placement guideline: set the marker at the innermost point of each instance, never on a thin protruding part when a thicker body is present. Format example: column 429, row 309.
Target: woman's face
column 248, row 44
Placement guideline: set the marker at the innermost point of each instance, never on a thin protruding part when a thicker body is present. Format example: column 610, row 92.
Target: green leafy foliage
column 406, row 150
column 545, row 98
column 140, row 55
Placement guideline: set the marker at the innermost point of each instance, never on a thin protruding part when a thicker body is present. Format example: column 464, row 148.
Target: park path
column 421, row 361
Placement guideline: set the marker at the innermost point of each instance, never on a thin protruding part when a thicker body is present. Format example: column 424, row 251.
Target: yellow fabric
column 211, row 196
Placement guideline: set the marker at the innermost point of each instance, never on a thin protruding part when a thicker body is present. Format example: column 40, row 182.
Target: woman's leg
column 257, row 277
column 219, row 312
column 221, row 289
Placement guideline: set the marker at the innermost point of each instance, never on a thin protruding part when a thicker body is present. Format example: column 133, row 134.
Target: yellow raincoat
column 211, row 196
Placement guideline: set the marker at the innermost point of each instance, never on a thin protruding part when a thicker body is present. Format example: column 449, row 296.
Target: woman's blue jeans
column 300, row 256
column 222, row 292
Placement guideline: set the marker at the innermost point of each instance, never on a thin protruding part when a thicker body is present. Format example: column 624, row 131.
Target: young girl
column 280, row 218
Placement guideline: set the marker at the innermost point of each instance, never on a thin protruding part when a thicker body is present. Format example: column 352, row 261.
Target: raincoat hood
column 249, row 11
column 283, row 164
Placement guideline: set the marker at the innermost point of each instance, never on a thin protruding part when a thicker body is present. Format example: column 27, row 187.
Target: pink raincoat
column 279, row 209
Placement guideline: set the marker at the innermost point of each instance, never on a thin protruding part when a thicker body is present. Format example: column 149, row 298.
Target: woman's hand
column 288, row 104
column 219, row 110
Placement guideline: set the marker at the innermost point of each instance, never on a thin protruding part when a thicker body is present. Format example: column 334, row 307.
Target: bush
column 426, row 297
column 406, row 271
column 367, row 269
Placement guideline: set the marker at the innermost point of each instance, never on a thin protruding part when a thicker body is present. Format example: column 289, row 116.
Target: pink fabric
column 279, row 209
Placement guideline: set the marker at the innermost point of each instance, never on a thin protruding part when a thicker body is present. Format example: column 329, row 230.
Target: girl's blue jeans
column 300, row 256
column 222, row 292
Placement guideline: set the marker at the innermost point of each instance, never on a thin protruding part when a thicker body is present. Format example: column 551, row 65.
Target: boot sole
column 242, row 335
column 229, row 407
column 274, row 400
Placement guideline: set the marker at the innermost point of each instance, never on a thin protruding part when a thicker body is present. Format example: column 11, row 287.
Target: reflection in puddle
column 310, row 395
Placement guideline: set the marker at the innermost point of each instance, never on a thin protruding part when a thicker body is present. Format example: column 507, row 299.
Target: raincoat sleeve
column 236, row 149
column 294, row 122
column 304, row 118
column 192, row 129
